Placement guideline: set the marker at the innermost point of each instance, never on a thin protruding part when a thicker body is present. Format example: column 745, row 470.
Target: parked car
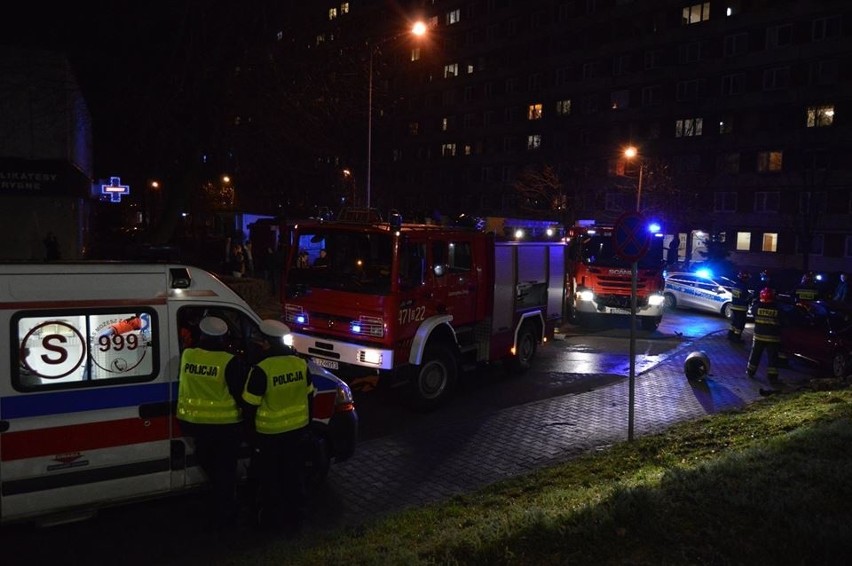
column 819, row 332
column 698, row 291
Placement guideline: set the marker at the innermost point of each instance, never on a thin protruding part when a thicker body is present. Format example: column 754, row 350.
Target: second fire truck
column 415, row 303
column 599, row 282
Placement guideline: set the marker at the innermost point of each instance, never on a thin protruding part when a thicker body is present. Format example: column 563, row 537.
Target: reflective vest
column 284, row 405
column 806, row 293
column 203, row 395
column 767, row 323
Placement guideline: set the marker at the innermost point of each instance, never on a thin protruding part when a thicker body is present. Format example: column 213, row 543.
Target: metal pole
column 639, row 190
column 633, row 276
column 370, row 128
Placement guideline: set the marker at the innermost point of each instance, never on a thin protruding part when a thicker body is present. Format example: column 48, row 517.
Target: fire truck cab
column 414, row 303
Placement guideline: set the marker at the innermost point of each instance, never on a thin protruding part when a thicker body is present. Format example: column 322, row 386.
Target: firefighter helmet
column 696, row 366
column 767, row 295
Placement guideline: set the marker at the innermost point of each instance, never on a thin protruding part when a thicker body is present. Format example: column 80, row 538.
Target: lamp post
column 418, row 29
column 631, row 153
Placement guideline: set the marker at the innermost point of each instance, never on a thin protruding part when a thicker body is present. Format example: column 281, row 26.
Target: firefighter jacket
column 740, row 296
column 806, row 292
column 767, row 322
column 280, row 387
column 203, row 393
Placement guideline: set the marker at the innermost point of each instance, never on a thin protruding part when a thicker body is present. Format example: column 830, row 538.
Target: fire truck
column 415, row 304
column 599, row 282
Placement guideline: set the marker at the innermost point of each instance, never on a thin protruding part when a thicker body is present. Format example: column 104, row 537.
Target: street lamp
column 630, row 153
column 418, row 29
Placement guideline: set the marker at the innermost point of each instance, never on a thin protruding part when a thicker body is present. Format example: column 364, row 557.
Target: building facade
column 738, row 111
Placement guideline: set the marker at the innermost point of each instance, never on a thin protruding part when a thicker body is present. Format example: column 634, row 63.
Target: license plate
column 327, row 364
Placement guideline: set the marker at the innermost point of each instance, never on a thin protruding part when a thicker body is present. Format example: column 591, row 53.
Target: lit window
column 344, row 8
column 534, row 112
column 696, row 13
column 453, row 17
column 770, row 161
column 563, row 107
column 770, row 242
column 448, row 149
column 332, row 13
column 445, row 124
column 743, row 241
column 468, row 149
column 451, row 70
column 415, row 54
column 688, row 128
column 533, row 141
column 320, row 39
column 470, row 68
column 819, row 116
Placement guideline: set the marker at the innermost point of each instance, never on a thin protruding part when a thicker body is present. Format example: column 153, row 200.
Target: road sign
column 631, row 237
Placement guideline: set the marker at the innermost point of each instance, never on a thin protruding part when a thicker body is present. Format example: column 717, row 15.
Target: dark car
column 821, row 333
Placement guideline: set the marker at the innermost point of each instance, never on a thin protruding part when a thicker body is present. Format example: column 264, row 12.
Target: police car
column 699, row 290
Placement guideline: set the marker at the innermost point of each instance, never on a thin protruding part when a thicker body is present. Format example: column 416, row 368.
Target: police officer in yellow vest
column 211, row 380
column 280, row 389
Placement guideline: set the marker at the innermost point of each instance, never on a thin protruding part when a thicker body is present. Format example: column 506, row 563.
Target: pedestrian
column 806, row 290
column 211, row 380
column 841, row 292
column 740, row 299
column 235, row 263
column 767, row 336
column 278, row 395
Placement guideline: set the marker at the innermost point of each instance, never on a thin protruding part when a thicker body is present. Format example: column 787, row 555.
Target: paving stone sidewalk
column 434, row 462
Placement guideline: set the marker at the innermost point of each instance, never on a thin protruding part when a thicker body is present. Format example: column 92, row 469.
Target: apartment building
column 738, row 112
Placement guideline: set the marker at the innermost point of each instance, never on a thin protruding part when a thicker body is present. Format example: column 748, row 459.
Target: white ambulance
column 88, row 387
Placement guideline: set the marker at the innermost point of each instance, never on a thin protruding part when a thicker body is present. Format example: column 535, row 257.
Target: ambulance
column 89, row 381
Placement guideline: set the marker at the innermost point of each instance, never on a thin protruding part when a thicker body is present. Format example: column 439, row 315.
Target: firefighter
column 741, row 296
column 806, row 290
column 767, row 336
column 211, row 379
column 278, row 392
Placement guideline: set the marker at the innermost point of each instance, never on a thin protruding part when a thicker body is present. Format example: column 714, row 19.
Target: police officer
column 741, row 296
column 767, row 336
column 278, row 392
column 211, row 380
column 806, row 290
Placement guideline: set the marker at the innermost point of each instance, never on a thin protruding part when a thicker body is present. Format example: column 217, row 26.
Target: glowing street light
column 418, row 30
column 632, row 153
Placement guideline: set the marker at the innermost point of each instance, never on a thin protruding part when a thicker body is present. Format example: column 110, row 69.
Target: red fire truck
column 598, row 282
column 413, row 304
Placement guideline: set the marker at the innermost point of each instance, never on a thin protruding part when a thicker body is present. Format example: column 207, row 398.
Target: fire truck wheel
column 527, row 343
column 432, row 381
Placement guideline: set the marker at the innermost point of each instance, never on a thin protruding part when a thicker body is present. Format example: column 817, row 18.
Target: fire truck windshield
column 598, row 250
column 342, row 260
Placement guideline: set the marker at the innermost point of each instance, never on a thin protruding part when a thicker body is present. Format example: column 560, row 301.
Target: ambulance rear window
column 67, row 349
